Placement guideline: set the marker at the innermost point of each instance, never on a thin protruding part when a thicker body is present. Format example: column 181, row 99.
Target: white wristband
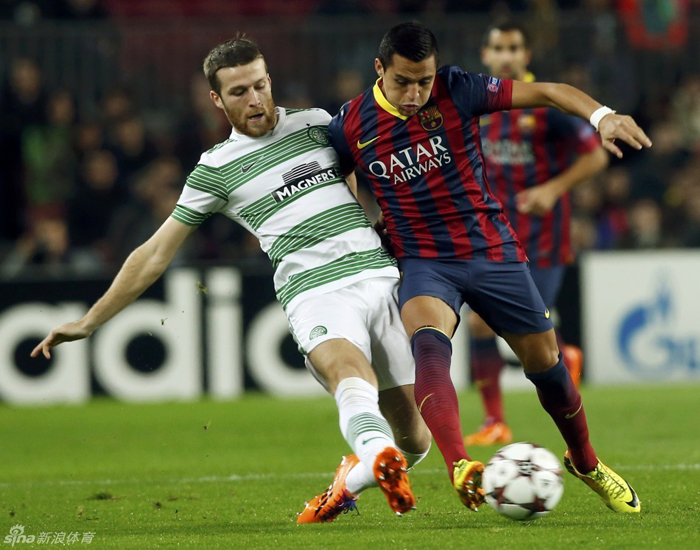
column 598, row 115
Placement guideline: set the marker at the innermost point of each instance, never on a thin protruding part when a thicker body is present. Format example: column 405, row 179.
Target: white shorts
column 366, row 314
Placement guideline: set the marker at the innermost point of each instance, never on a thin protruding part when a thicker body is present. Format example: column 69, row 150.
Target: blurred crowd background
column 104, row 110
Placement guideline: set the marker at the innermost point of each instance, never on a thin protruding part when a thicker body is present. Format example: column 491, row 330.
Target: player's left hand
column 613, row 126
column 538, row 200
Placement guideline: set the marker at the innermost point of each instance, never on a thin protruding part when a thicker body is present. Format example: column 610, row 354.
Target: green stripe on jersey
column 188, row 216
column 345, row 266
column 242, row 170
column 318, row 228
column 261, row 210
column 209, row 180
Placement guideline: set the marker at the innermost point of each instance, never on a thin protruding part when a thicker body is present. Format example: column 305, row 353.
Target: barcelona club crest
column 430, row 118
column 527, row 124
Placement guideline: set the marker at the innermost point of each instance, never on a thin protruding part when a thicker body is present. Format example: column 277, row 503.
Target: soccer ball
column 523, row 481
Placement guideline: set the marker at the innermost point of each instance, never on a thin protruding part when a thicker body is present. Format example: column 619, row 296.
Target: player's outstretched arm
column 540, row 199
column 141, row 269
column 528, row 95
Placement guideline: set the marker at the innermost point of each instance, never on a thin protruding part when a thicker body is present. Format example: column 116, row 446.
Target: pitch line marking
column 253, row 477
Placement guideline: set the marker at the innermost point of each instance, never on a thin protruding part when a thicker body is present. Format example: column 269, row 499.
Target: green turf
column 152, row 476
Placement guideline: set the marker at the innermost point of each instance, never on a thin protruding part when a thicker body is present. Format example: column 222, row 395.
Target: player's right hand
column 65, row 333
column 613, row 126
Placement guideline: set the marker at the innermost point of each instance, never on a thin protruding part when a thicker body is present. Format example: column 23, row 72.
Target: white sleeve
column 204, row 194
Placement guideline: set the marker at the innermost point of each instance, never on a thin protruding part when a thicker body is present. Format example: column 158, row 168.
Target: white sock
column 361, row 477
column 361, row 423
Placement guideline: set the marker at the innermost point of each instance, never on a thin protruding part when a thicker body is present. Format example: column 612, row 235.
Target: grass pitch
column 233, row 475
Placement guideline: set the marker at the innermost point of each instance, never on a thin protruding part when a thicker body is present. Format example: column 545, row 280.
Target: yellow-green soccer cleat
column 616, row 493
column 466, row 479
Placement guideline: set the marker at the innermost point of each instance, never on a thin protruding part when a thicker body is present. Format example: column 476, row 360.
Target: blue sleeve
column 477, row 94
column 336, row 134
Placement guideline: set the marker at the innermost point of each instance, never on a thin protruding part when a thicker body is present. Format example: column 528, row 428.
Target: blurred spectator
column 79, row 10
column 88, row 138
column 202, row 126
column 49, row 161
column 116, row 105
column 347, row 84
column 645, row 230
column 651, row 171
column 46, row 246
column 686, row 112
column 154, row 193
column 691, row 233
column 131, row 148
column 22, row 104
column 584, row 234
column 91, row 208
column 612, row 216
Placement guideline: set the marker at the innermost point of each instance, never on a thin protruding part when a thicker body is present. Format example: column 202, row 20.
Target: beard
column 254, row 122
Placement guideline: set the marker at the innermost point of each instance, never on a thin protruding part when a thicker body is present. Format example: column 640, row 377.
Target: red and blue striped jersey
column 427, row 171
column 527, row 147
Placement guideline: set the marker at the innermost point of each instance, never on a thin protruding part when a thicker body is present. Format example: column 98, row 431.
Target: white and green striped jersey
column 287, row 189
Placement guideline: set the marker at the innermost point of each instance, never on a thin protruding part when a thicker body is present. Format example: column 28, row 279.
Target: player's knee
column 541, row 359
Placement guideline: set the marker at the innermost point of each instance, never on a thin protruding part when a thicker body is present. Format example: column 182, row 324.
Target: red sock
column 435, row 394
column 562, row 401
column 487, row 365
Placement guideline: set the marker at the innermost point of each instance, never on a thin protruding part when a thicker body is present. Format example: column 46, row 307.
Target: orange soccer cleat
column 391, row 472
column 491, row 434
column 573, row 359
column 335, row 500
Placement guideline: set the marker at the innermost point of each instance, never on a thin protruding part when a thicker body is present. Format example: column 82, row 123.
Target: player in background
column 278, row 176
column 415, row 135
column 533, row 158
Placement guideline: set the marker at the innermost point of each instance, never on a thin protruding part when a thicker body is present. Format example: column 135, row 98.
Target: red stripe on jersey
column 495, row 169
column 566, row 255
column 352, row 127
column 444, row 204
column 545, row 240
column 406, row 200
column 469, row 184
column 519, row 177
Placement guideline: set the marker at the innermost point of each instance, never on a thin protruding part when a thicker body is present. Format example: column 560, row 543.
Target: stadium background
column 104, row 111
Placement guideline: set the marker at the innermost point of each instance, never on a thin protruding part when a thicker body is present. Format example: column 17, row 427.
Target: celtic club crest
column 319, row 135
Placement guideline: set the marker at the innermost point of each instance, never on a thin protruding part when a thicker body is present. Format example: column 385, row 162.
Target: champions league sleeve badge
column 494, row 84
column 430, row 118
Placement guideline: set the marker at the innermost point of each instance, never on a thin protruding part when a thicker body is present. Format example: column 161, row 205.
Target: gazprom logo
column 653, row 342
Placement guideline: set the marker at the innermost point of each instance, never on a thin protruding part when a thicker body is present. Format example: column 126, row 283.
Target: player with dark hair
column 278, row 176
column 533, row 158
column 415, row 135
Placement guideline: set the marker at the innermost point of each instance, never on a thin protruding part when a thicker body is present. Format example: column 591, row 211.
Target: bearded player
column 533, row 158
column 278, row 177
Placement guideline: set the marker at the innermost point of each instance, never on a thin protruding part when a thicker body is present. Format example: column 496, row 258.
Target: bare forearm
column 559, row 96
column 140, row 271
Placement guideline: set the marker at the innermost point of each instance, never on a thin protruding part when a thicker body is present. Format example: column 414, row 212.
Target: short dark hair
column 232, row 53
column 506, row 25
column 414, row 41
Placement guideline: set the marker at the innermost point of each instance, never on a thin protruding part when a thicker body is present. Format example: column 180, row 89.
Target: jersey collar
column 383, row 102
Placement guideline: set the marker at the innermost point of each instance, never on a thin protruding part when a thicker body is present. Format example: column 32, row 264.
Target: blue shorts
column 502, row 294
column 548, row 281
